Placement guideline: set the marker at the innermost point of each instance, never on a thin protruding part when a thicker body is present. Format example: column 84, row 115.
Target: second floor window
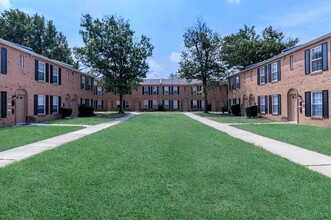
column 21, row 61
column 154, row 90
column 175, row 90
column 274, row 72
column 146, row 90
column 41, row 71
column 262, row 75
column 55, row 75
column 99, row 90
column 166, row 90
column 316, row 59
column 83, row 82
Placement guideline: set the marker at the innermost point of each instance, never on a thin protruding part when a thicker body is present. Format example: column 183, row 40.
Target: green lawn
column 310, row 137
column 98, row 119
column 11, row 137
column 233, row 119
column 161, row 166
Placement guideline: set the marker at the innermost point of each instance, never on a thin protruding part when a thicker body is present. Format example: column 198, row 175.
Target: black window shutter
column 60, row 104
column 191, row 104
column 229, row 82
column 51, row 104
column 239, row 82
column 86, row 83
column 143, row 89
column 258, row 104
column 3, row 104
column 270, row 104
column 239, row 101
column 36, row 66
column 81, row 82
column 269, row 73
column 233, row 84
column 91, row 85
column 35, row 104
column 47, row 72
column 102, row 104
column 279, row 104
column 265, row 74
column 163, row 91
column 258, row 76
column 47, row 104
column 325, row 103
column 325, row 56
column 307, row 62
column 307, row 104
column 178, row 104
column 178, row 89
column 278, row 70
column 60, row 76
column 3, row 60
column 266, row 104
column 51, row 74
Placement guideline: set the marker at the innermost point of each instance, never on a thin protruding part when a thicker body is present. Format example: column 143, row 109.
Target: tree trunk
column 121, row 111
column 205, row 107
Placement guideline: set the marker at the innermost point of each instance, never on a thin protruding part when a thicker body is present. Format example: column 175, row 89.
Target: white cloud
column 303, row 16
column 233, row 1
column 155, row 69
column 175, row 57
column 5, row 4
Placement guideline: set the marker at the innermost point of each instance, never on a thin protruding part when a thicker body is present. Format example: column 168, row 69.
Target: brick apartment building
column 171, row 94
column 293, row 85
column 33, row 87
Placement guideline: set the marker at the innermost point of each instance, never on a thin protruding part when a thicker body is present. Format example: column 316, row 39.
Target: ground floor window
column 195, row 104
column 175, row 104
column 126, row 104
column 275, row 107
column 316, row 104
column 99, row 104
column 55, row 105
column 155, row 104
column 146, row 104
column 41, row 104
column 166, row 104
column 262, row 104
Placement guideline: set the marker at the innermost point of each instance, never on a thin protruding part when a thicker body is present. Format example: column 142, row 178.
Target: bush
column 235, row 109
column 224, row 108
column 160, row 108
column 209, row 107
column 85, row 110
column 251, row 111
column 65, row 112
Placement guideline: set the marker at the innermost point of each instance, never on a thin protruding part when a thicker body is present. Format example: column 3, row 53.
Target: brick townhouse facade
column 292, row 86
column 33, row 87
column 171, row 94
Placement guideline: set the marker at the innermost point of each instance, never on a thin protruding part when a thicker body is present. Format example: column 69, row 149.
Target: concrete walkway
column 309, row 159
column 23, row 152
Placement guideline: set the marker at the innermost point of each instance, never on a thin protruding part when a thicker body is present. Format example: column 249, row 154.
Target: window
column 41, row 104
column 89, row 81
column 99, row 104
column 166, row 104
column 154, row 90
column 117, row 104
column 146, row 104
column 316, row 59
column 41, row 71
column 55, row 75
column 262, row 104
column 274, row 72
column 316, row 104
column 67, row 76
column 195, row 104
column 165, row 90
column 126, row 104
column 55, row 107
column 291, row 62
column 82, row 101
column 175, row 104
column 275, row 107
column 83, row 82
column 175, row 90
column 155, row 104
column 195, row 89
column 21, row 61
column 238, row 82
column 74, row 76
column 146, row 90
column 262, row 75
column 87, row 101
column 99, row 90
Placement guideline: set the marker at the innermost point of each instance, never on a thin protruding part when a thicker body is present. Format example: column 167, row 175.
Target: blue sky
column 164, row 21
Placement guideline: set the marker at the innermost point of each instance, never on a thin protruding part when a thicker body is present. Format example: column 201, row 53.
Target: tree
column 201, row 60
column 112, row 51
column 35, row 32
column 247, row 47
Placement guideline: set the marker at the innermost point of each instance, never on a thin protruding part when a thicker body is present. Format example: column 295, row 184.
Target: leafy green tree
column 247, row 47
column 113, row 52
column 201, row 59
column 35, row 32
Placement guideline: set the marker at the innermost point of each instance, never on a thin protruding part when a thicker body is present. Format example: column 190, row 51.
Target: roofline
column 62, row 64
column 283, row 54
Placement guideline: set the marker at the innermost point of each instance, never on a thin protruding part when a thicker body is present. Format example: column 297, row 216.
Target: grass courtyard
column 161, row 166
column 224, row 118
column 11, row 137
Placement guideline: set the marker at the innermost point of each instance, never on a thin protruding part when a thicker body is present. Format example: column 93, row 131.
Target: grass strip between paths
column 98, row 119
column 161, row 166
column 233, row 119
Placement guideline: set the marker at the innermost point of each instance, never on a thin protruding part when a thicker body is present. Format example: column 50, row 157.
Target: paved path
column 23, row 152
column 310, row 159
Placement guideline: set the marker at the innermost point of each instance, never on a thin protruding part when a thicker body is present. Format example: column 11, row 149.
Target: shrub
column 160, row 108
column 235, row 109
column 85, row 110
column 224, row 108
column 65, row 112
column 251, row 111
column 209, row 107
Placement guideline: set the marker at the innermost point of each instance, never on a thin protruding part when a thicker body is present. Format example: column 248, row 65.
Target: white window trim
column 44, row 104
column 262, row 70
column 146, row 90
column 22, row 61
column 175, row 92
column 42, row 71
column 311, row 58
column 274, row 73
column 57, row 105
column 195, row 106
column 194, row 90
column 83, row 82
column 275, row 111
column 146, row 104
column 262, row 110
column 311, row 107
column 166, row 92
column 99, row 90
column 173, row 105
column 57, row 75
column 237, row 82
column 166, row 106
column 154, row 103
column 99, row 104
column 291, row 62
column 153, row 90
